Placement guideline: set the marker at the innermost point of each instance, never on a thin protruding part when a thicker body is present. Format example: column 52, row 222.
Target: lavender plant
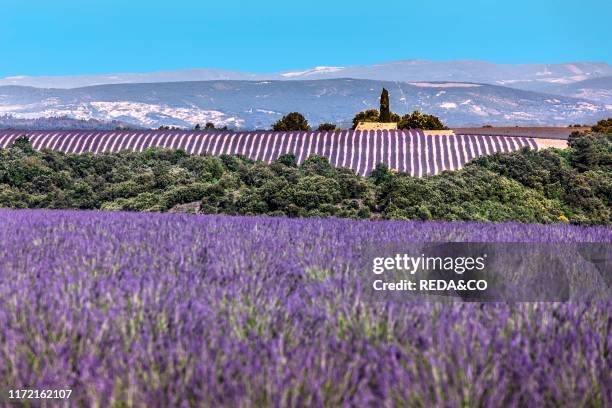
column 130, row 309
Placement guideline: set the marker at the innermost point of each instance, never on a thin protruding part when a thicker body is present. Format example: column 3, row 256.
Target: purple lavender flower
column 179, row 310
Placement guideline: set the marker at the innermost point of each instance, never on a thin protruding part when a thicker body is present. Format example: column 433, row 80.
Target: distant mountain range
column 533, row 77
column 594, row 89
column 463, row 93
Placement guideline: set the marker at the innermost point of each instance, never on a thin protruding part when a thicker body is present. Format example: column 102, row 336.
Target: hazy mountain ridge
column 257, row 104
column 595, row 89
column 537, row 77
column 579, row 92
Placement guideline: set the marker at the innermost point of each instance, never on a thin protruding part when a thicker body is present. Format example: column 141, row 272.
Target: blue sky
column 80, row 37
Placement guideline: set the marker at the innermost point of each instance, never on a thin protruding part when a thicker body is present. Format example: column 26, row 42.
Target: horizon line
column 18, row 76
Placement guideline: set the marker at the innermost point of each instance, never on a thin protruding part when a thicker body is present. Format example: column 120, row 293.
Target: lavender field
column 131, row 309
column 409, row 151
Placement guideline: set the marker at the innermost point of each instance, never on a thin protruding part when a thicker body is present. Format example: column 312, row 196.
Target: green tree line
column 543, row 186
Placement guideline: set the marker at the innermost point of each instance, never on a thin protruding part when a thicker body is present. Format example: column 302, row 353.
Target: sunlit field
column 181, row 310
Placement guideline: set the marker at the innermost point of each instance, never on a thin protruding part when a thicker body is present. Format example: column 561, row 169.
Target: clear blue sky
column 41, row 37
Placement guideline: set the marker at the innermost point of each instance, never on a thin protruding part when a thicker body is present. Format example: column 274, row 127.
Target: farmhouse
column 376, row 126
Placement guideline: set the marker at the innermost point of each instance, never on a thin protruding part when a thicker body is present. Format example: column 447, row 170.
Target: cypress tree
column 385, row 112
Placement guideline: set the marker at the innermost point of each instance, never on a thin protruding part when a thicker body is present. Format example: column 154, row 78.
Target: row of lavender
column 177, row 310
column 405, row 151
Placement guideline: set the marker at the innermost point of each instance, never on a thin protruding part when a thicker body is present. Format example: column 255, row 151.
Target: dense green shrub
column 528, row 186
column 603, row 126
column 326, row 127
column 291, row 121
column 417, row 120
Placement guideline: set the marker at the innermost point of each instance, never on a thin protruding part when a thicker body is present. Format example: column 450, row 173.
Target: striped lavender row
column 405, row 151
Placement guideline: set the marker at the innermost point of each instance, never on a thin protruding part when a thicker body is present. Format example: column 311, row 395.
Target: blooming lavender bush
column 177, row 310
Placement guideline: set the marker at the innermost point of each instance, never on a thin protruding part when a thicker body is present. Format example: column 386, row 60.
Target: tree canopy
column 291, row 121
column 591, row 151
column 326, row 127
column 416, row 120
column 603, row 126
